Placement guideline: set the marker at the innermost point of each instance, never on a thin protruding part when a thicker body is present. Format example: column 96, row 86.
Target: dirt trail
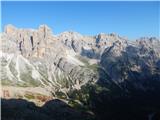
column 38, row 95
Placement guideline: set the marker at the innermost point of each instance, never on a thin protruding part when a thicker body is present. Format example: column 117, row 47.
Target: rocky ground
column 38, row 95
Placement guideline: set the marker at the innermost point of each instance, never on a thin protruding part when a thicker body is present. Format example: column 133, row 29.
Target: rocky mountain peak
column 9, row 29
column 28, row 42
column 45, row 30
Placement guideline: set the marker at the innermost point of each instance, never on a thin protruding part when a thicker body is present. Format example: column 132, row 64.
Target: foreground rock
column 19, row 109
column 38, row 95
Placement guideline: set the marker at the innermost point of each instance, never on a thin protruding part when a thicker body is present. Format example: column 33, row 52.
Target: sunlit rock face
column 28, row 41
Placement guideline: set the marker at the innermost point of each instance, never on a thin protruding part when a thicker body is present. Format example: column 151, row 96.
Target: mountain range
column 111, row 76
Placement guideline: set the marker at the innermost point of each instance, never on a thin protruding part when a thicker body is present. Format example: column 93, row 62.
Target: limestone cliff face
column 35, row 43
column 28, row 41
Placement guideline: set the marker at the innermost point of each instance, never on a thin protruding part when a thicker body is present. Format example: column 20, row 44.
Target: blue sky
column 131, row 19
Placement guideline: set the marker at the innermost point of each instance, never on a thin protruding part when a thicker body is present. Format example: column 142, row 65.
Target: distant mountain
column 83, row 70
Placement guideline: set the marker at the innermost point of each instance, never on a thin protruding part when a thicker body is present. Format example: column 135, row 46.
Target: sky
column 130, row 19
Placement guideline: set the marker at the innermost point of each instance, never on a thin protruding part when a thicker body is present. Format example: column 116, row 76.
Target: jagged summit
column 34, row 42
column 12, row 27
column 9, row 29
